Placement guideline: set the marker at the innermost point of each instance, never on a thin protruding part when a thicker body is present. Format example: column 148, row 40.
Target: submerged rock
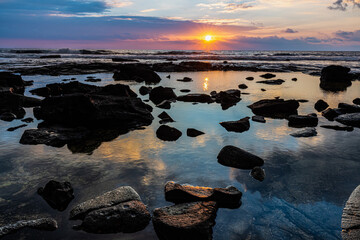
column 272, row 82
column 350, row 222
column 258, row 173
column 138, row 73
column 308, row 132
column 159, row 94
column 232, row 156
column 192, row 132
column 258, row 119
column 321, row 105
column 186, row 221
column 58, row 195
column 338, row 128
column 350, row 119
column 167, row 133
column 47, row 224
column 195, row 97
column 241, row 125
column 268, row 75
column 277, row 108
column 310, row 120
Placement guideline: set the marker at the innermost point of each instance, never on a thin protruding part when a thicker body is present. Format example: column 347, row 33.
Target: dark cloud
column 289, row 30
column 350, row 36
column 342, row 5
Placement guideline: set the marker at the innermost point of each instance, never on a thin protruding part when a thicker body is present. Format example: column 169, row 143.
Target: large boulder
column 159, row 94
column 350, row 119
column 232, row 156
column 47, row 224
column 13, row 81
column 335, row 78
column 350, row 222
column 139, row 73
column 58, row 195
column 195, row 97
column 277, row 108
column 167, row 133
column 310, row 120
column 186, row 221
column 241, row 125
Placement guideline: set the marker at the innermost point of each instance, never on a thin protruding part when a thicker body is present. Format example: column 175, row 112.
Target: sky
column 181, row 24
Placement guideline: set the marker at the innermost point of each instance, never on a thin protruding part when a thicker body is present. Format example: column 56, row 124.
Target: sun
column 208, row 38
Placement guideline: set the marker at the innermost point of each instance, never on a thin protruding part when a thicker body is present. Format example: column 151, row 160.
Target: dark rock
column 278, row 108
column 51, row 56
column 268, row 75
column 144, row 90
column 166, row 104
column 350, row 222
column 302, row 100
column 321, row 105
column 356, row 101
column 168, row 76
column 17, row 127
column 93, row 80
column 294, row 79
column 250, row 78
column 185, row 221
column 191, row 132
column 185, row 90
column 235, row 157
column 272, row 82
column 350, row 119
column 258, row 173
column 307, row 132
column 159, row 94
column 332, row 113
column 258, row 119
column 243, row 86
column 196, row 66
column 241, row 125
column 165, row 118
column 263, row 90
column 58, row 195
column 213, row 94
column 349, row 108
column 138, row 73
column 56, row 89
column 28, row 120
column 167, row 133
column 338, row 128
column 225, row 197
column 47, row 224
column 228, row 98
column 195, row 97
column 117, row 59
column 335, row 78
column 29, row 83
column 335, row 86
column 310, row 120
column 185, row 79
column 7, row 116
column 8, row 79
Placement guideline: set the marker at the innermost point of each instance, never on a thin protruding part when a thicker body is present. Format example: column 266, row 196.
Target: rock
column 228, row 98
column 307, row 132
column 195, row 97
column 350, row 119
column 213, row 94
column 263, row 90
column 168, row 76
column 226, row 197
column 321, row 105
column 241, row 125
column 47, row 224
column 165, row 118
column 356, row 101
column 51, row 56
column 196, row 66
column 15, row 128
column 272, row 82
column 159, row 94
column 294, row 79
column 310, row 120
column 28, row 120
column 258, row 173
column 185, row 90
column 191, row 132
column 108, row 199
column 93, row 80
column 144, row 90
column 167, row 133
column 138, row 73
column 278, row 108
column 7, row 116
column 185, row 79
column 10, row 80
column 268, row 75
column 235, row 157
column 335, row 78
column 338, row 128
column 350, row 222
column 349, row 108
column 56, row 89
column 128, row 217
column 332, row 113
column 118, row 59
column 258, row 119
column 243, row 86
column 185, row 221
column 58, row 195
column 302, row 100
column 166, row 104
column 249, row 78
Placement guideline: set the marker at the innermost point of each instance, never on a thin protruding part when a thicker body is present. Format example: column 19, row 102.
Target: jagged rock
column 167, row 133
column 47, row 224
column 165, row 116
column 13, row 81
column 241, row 125
column 185, row 79
column 338, row 128
column 268, row 75
column 258, row 119
column 242, row 86
column 138, row 73
column 235, row 157
column 58, row 195
column 108, row 199
column 225, row 197
column 195, row 97
column 272, row 82
column 258, row 173
column 228, row 98
column 191, row 132
column 321, row 105
column 308, row 132
column 159, row 94
column 15, row 128
column 350, row 119
column 278, row 108
column 186, row 221
column 350, row 222
column 310, row 120
column 144, row 90
column 356, row 101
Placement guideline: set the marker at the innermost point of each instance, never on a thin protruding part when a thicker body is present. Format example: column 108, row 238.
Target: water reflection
column 206, row 84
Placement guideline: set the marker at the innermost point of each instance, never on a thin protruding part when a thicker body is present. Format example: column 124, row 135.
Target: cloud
column 225, row 6
column 148, row 10
column 350, row 36
column 342, row 5
column 289, row 30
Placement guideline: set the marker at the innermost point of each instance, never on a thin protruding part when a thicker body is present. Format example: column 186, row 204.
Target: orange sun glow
column 208, row 38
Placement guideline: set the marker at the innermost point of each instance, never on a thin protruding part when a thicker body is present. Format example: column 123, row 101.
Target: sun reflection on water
column 206, row 84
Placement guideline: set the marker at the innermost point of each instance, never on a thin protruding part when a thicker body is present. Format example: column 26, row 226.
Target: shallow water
column 307, row 180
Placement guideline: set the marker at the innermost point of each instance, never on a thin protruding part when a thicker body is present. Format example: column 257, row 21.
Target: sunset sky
column 181, row 24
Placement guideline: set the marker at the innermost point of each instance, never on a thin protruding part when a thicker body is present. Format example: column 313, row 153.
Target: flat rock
column 186, row 221
column 308, row 132
column 310, row 120
column 136, row 72
column 241, row 125
column 338, row 128
column 57, row 194
column 192, row 132
column 276, row 108
column 28, row 120
column 185, row 79
column 350, row 119
column 268, row 75
column 159, row 94
column 232, row 156
column 272, row 82
column 167, row 133
column 108, row 199
column 321, row 105
column 195, row 97
column 260, row 119
column 350, row 222
column 349, row 108
column 47, row 224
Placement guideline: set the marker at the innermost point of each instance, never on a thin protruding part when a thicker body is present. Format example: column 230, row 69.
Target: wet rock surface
column 258, row 173
column 47, row 224
column 185, row 221
column 167, row 133
column 332, row 113
column 58, row 195
column 232, row 156
column 310, row 120
column 338, row 128
column 260, row 119
column 356, row 101
column 307, row 132
column 192, row 132
column 350, row 119
column 321, row 105
column 185, row 79
column 276, row 108
column 241, row 125
column 350, row 222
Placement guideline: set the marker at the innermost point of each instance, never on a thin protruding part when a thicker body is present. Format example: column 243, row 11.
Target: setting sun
column 208, row 38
